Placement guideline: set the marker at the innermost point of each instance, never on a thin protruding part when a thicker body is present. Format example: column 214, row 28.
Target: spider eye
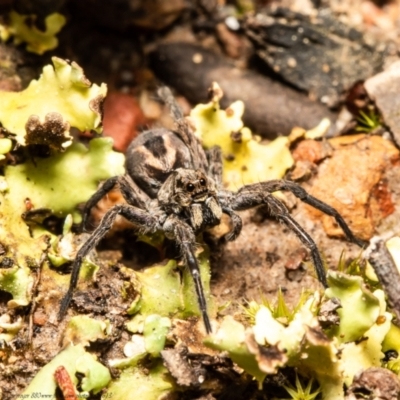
column 202, row 181
column 190, row 187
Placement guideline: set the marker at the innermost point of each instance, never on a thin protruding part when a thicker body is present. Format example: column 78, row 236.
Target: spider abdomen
column 153, row 155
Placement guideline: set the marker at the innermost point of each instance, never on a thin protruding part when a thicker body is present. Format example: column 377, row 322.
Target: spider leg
column 300, row 193
column 184, row 131
column 132, row 193
column 129, row 190
column 278, row 210
column 106, row 187
column 251, row 196
column 236, row 225
column 214, row 158
column 215, row 167
column 146, row 221
column 184, row 237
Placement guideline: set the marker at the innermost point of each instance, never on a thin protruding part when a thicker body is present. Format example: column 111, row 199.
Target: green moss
column 58, row 184
column 300, row 393
column 368, row 352
column 159, row 288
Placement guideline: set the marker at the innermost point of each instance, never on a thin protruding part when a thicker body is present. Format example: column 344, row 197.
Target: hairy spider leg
column 236, row 222
column 184, row 131
column 300, row 193
column 143, row 219
column 253, row 195
column 279, row 211
column 214, row 159
column 183, row 236
column 179, row 231
column 129, row 190
column 106, row 187
column 165, row 95
column 192, row 263
column 215, row 168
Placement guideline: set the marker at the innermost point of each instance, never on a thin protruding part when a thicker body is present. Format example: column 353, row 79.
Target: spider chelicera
column 174, row 186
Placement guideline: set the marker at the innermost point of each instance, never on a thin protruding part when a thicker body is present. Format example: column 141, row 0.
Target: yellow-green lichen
column 230, row 337
column 82, row 329
column 295, row 339
column 355, row 299
column 45, row 111
column 61, row 182
column 135, row 383
column 8, row 329
column 155, row 330
column 163, row 292
column 245, row 159
column 75, row 360
column 23, row 28
column 58, row 184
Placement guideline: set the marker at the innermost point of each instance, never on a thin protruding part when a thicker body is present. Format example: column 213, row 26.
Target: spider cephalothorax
column 174, row 186
column 191, row 194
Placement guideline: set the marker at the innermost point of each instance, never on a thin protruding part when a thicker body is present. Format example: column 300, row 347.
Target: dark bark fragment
column 319, row 55
column 384, row 89
column 177, row 363
column 374, row 384
column 328, row 315
column 387, row 272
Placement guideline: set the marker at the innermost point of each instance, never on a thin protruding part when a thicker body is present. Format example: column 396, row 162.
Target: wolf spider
column 174, row 186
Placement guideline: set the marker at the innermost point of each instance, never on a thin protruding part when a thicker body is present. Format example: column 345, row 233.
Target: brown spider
column 174, row 186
